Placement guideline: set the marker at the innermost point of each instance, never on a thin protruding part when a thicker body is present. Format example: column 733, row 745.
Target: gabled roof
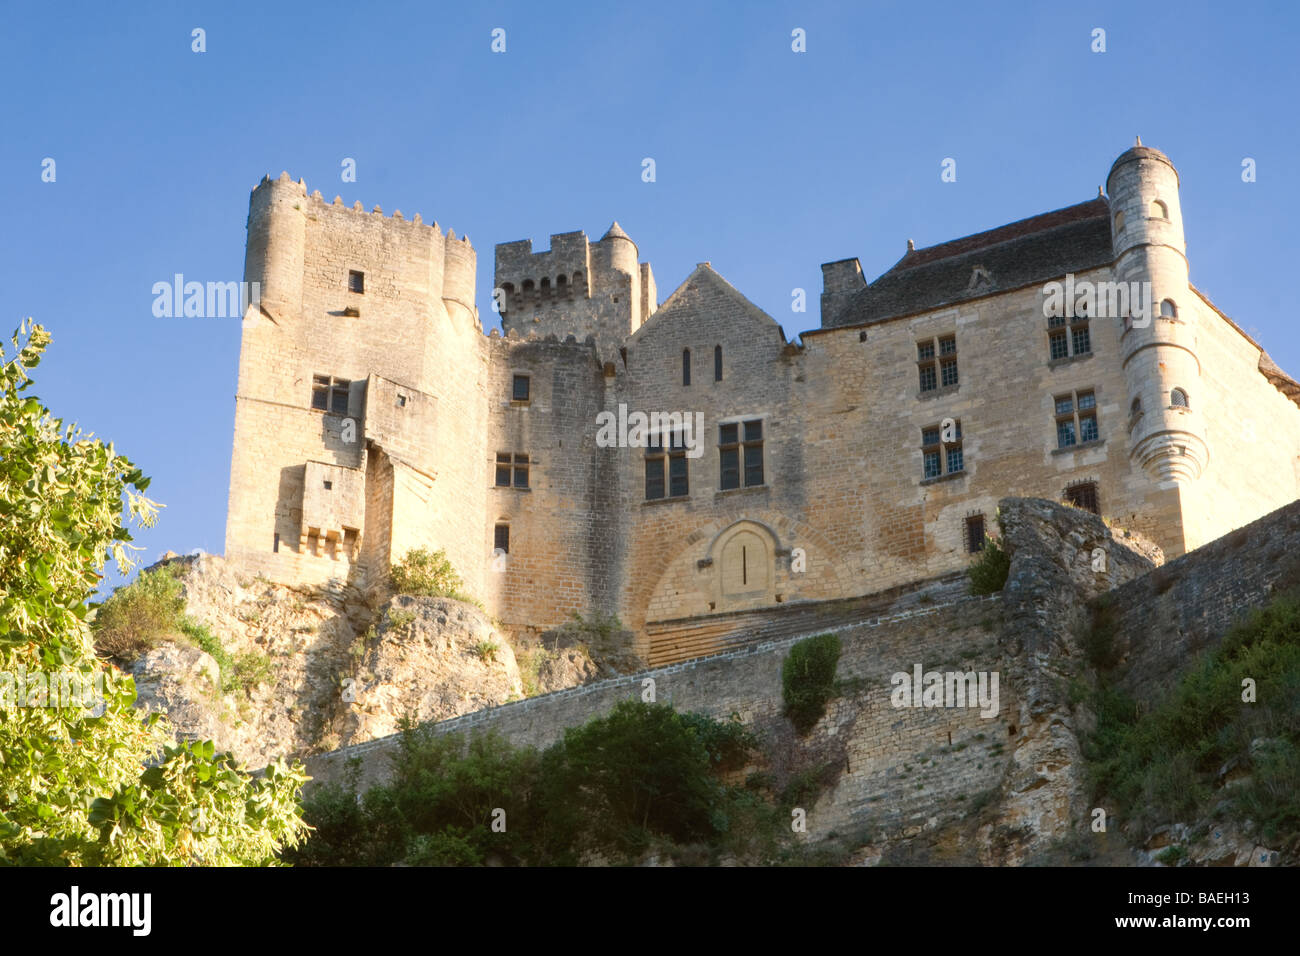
column 700, row 292
column 1009, row 257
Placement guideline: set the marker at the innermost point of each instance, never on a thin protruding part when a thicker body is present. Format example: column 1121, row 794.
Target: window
column 329, row 485
column 717, row 363
column 1119, row 221
column 508, row 464
column 943, row 372
column 665, row 467
column 329, row 394
column 1076, row 419
column 1168, row 310
column 401, row 401
column 686, row 366
column 740, row 454
column 1135, row 409
column 1063, row 343
column 975, row 534
column 356, row 281
column 939, row 457
column 276, row 546
column 519, row 388
column 1080, row 339
column 1083, row 495
column 1060, row 345
column 501, row 539
column 1159, row 210
column 1178, row 398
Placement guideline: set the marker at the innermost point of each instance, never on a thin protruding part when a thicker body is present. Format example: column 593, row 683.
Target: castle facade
column 681, row 463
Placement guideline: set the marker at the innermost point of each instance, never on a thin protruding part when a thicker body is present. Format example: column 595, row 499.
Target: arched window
column 717, row 363
column 1159, row 210
column 561, row 282
column 1119, row 221
column 546, row 286
column 1178, row 399
column 686, row 366
column 1136, row 408
column 528, row 286
column 1168, row 310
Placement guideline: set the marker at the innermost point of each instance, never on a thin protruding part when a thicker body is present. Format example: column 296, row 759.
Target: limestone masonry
column 373, row 415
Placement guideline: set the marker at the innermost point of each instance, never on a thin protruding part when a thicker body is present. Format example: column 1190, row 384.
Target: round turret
column 276, row 239
column 1158, row 339
column 460, row 264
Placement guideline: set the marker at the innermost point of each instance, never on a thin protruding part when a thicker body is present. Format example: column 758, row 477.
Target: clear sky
column 768, row 162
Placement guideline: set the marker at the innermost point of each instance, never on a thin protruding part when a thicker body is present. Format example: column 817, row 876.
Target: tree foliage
column 640, row 778
column 808, row 679
column 101, row 786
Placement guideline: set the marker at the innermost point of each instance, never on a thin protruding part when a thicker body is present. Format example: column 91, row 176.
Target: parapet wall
column 1186, row 606
column 919, row 759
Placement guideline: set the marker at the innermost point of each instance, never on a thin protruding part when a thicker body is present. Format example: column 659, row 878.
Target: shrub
column 487, row 650
column 643, row 777
column 424, row 573
column 139, row 615
column 988, row 572
column 808, row 679
column 1161, row 765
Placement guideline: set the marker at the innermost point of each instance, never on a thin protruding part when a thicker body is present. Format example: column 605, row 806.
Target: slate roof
column 1022, row 253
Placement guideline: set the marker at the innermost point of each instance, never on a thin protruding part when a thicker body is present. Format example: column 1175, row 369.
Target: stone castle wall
column 844, row 507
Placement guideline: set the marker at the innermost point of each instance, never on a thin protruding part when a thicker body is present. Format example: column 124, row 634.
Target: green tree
column 102, row 786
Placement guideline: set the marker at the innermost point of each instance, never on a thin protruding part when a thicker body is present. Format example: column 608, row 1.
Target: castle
column 374, row 416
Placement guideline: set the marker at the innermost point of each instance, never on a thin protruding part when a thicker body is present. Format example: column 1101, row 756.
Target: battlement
column 300, row 188
column 576, row 287
column 533, row 280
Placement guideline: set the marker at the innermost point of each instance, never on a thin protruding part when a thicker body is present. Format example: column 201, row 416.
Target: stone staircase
column 672, row 641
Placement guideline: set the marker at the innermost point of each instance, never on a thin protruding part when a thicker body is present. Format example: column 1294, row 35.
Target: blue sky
column 768, row 162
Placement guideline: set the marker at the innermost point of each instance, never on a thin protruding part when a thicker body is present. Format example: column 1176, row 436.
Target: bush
column 423, row 573
column 808, row 679
column 641, row 777
column 139, row 615
column 1161, row 766
column 988, row 572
